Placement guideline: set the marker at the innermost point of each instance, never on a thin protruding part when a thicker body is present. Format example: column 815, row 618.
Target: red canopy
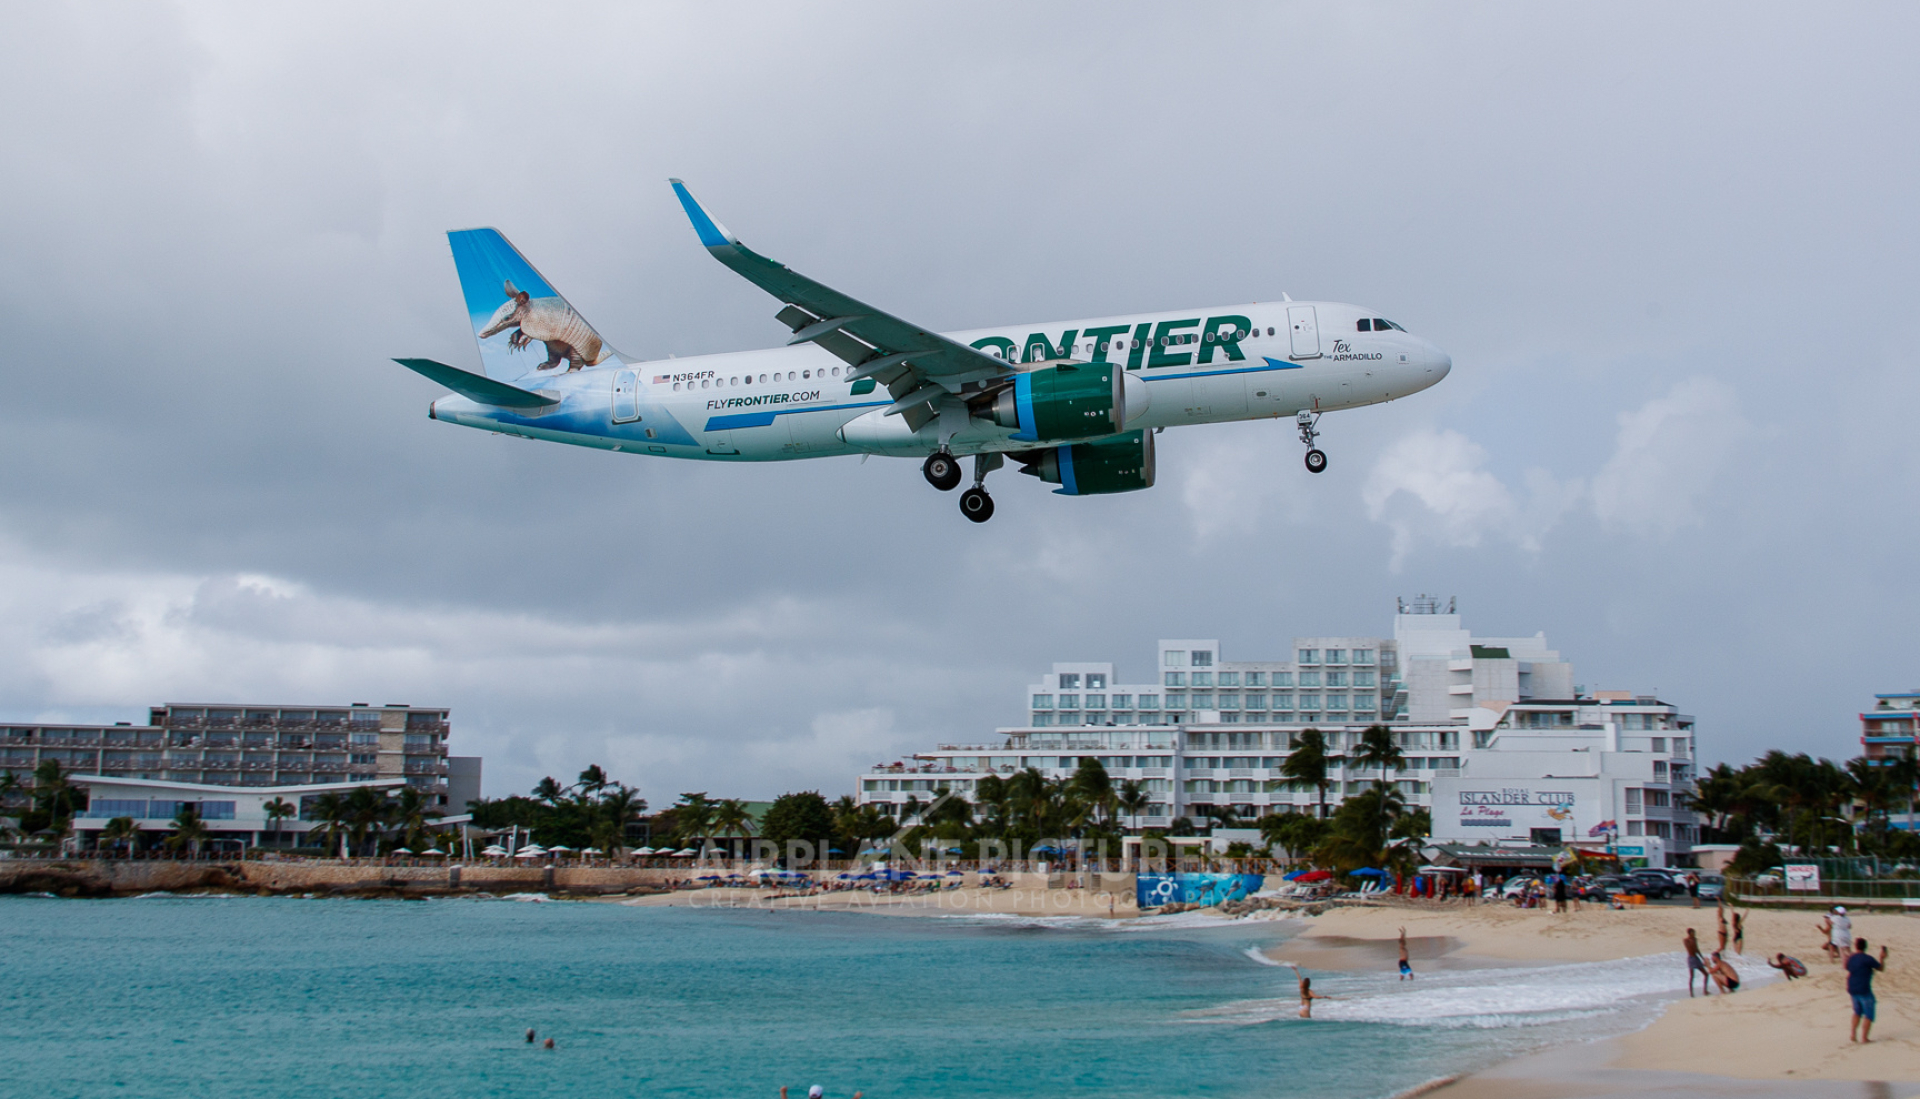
column 1314, row 875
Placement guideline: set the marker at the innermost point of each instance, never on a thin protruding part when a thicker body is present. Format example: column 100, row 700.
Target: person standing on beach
column 1720, row 914
column 1825, row 927
column 1739, row 933
column 1406, row 967
column 1696, row 964
column 1842, row 933
column 1860, row 970
column 1693, row 887
column 1560, row 893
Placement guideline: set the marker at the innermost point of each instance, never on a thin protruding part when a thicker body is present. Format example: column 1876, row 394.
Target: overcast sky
column 1671, row 250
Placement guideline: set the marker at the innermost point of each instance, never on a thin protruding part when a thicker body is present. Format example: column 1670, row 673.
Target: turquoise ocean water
column 272, row 998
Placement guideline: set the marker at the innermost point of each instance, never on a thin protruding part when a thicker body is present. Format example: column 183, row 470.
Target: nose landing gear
column 975, row 504
column 1308, row 423
column 942, row 471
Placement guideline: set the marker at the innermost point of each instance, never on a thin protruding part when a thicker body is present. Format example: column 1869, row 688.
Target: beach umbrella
column 559, row 849
column 953, row 873
column 530, row 851
column 685, row 853
column 1314, row 875
column 402, row 851
column 1368, row 871
column 434, row 851
column 643, row 850
column 593, row 851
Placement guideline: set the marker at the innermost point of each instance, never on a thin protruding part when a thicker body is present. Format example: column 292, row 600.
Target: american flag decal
column 658, row 378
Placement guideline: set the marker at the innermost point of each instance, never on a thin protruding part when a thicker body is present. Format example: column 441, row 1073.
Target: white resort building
column 1477, row 718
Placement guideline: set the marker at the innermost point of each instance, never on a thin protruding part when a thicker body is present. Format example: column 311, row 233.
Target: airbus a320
column 1075, row 403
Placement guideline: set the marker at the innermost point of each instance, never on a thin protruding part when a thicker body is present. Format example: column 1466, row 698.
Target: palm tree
column 53, row 795
column 1307, row 765
column 549, row 790
column 1132, row 798
column 1092, row 786
column 120, row 831
column 277, row 810
column 732, row 820
column 619, row 806
column 593, row 780
column 412, row 813
column 330, row 809
column 1377, row 747
column 692, row 818
column 188, row 830
column 1903, row 774
column 367, row 810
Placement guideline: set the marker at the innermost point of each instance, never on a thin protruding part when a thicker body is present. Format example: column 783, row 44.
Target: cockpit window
column 1365, row 325
column 1381, row 324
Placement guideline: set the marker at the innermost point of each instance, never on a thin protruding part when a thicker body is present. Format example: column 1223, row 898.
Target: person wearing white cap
column 1842, row 933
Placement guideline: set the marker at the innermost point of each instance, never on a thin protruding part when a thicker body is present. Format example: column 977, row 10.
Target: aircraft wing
column 918, row 367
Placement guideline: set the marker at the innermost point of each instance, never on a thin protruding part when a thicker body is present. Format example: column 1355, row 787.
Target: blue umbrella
column 953, row 873
column 1371, row 871
column 1291, row 876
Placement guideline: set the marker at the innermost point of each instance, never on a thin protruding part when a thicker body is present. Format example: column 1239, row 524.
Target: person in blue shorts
column 1406, row 968
column 1860, row 970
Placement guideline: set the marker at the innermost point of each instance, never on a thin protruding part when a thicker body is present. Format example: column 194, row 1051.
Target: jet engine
column 1123, row 463
column 1070, row 401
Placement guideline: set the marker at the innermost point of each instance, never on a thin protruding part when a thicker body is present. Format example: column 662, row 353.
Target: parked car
column 1601, row 887
column 1712, row 886
column 1517, row 883
column 1654, row 883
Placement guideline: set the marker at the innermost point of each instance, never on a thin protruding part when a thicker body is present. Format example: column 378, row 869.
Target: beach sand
column 1784, row 1031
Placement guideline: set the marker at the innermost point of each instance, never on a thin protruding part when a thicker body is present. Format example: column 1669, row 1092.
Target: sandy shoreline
column 1779, row 1039
column 1788, row 1032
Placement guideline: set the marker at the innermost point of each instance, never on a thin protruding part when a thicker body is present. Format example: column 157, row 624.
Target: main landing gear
column 942, row 471
column 975, row 504
column 1308, row 422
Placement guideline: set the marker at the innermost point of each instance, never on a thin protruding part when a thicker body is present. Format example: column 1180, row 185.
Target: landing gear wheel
column 976, row 505
column 1316, row 461
column 942, row 471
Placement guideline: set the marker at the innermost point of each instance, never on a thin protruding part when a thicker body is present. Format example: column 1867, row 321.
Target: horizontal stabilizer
column 477, row 387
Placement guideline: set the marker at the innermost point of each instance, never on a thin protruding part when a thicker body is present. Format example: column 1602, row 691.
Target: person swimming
column 1307, row 994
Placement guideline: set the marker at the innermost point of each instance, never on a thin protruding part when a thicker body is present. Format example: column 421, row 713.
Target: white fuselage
column 796, row 402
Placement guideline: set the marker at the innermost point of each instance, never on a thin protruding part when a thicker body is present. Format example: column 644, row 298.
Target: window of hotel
column 1228, row 700
column 1202, row 658
column 1657, row 799
column 1336, row 702
column 1633, row 799
column 1040, row 720
column 1175, row 679
column 1363, row 679
column 1363, row 656
column 363, row 757
column 1149, row 702
column 1256, row 679
column 1309, row 656
column 1069, row 681
column 1120, row 717
column 1096, row 702
column 1096, row 681
column 1229, row 679
column 1283, row 699
column 1043, row 702
column 1309, row 679
column 1636, row 828
column 1256, row 701
column 1202, row 679
column 1659, row 744
column 1068, row 717
column 1176, row 700
column 1659, row 770
column 1336, row 679
column 1199, row 700
column 1309, row 701
column 1308, row 717
column 1121, row 702
column 1175, row 658
column 1283, row 679
column 1336, row 656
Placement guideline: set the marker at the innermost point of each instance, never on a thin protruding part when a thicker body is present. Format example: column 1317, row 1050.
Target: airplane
column 1075, row 403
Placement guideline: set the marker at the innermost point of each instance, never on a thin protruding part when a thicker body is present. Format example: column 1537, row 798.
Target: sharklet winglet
column 712, row 233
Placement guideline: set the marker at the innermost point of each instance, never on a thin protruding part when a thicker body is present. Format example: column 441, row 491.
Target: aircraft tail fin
column 479, row 387
column 517, row 314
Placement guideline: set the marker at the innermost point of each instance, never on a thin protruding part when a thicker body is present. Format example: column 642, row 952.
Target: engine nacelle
column 1068, row 401
column 1123, row 463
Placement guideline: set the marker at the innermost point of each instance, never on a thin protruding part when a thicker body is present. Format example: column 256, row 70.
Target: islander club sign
column 1494, row 808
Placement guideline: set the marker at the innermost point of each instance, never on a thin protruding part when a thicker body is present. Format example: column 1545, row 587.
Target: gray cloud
column 1670, row 251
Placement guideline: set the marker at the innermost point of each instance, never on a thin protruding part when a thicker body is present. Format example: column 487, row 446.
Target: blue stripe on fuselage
column 765, row 419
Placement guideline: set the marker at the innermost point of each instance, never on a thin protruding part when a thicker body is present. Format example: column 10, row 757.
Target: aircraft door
column 626, row 397
column 1306, row 331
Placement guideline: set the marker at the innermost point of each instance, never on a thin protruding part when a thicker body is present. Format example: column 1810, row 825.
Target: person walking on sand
column 1790, row 968
column 1693, row 887
column 1739, row 933
column 1860, row 970
column 1696, row 964
column 1406, row 967
column 1842, row 933
column 1825, row 927
column 1720, row 913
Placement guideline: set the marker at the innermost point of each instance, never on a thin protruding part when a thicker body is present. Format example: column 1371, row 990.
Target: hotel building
column 232, row 759
column 1206, row 731
column 1892, row 727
